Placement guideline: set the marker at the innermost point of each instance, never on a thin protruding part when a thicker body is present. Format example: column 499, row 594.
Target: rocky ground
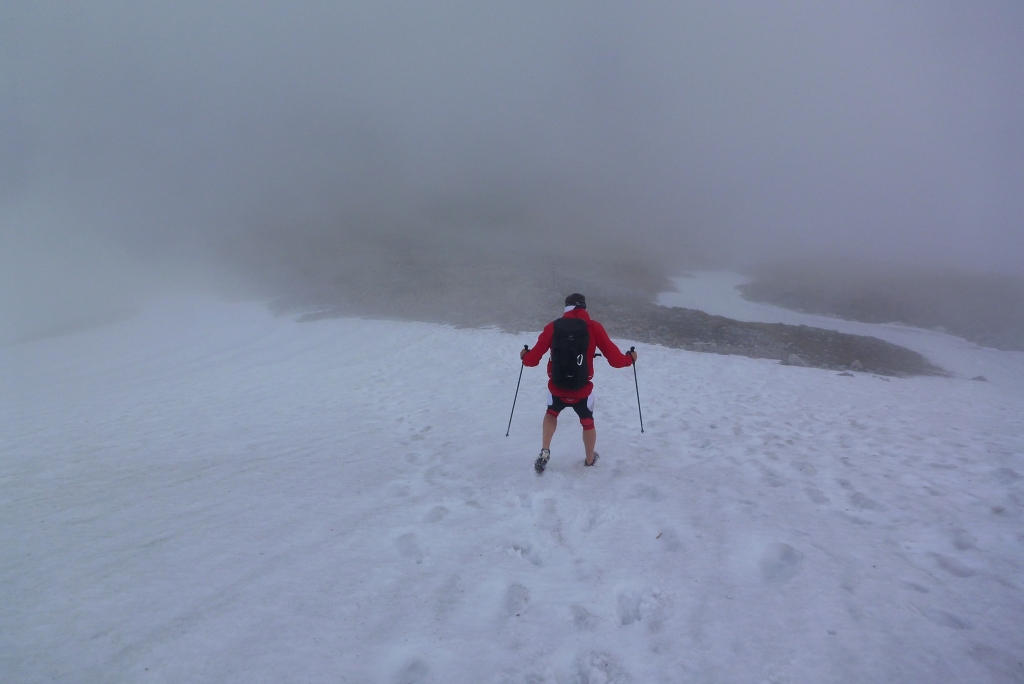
column 521, row 297
column 796, row 345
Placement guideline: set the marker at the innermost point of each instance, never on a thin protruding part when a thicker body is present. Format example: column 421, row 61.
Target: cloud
column 723, row 132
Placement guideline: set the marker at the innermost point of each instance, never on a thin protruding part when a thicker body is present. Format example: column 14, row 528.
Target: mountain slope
column 210, row 493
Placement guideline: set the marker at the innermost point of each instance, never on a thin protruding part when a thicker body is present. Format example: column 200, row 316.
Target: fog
column 259, row 144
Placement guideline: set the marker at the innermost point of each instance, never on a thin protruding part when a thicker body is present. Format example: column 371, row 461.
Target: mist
column 283, row 147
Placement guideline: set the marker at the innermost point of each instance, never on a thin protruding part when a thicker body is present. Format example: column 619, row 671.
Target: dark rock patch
column 522, row 295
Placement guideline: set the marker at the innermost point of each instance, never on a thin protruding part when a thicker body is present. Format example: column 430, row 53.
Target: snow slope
column 208, row 493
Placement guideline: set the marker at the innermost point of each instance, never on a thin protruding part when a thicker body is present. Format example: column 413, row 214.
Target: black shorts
column 584, row 408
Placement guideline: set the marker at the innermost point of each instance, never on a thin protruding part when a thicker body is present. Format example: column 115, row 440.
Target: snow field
column 211, row 494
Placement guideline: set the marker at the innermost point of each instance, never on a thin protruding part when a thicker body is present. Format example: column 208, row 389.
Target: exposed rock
column 847, row 375
column 857, row 365
column 980, row 378
column 794, row 360
column 523, row 297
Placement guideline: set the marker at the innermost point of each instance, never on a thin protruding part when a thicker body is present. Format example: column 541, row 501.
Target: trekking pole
column 637, row 394
column 526, row 347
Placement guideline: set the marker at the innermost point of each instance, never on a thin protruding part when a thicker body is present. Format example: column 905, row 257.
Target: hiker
column 573, row 340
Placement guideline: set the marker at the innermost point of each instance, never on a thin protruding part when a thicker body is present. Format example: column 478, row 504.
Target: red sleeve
column 534, row 356
column 616, row 359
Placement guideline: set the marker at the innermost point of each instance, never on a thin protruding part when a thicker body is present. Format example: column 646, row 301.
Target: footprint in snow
column 414, row 672
column 780, row 563
column 447, row 596
column 600, row 667
column 805, row 468
column 963, row 541
column 399, row 490
column 435, row 473
column 420, row 435
column 670, row 541
column 435, row 514
column 585, row 571
column 816, row 495
column 517, row 599
column 408, row 547
column 952, row 565
column 771, row 478
column 914, row 586
column 858, row 500
column 1006, row 476
column 1006, row 666
column 648, row 492
column 941, row 617
column 646, row 606
column 526, row 552
column 628, row 608
column 584, row 620
column 593, row 519
column 548, row 519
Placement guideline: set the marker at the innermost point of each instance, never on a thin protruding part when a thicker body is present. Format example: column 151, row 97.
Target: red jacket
column 598, row 340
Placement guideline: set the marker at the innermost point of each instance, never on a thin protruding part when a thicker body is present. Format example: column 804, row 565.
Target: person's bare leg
column 550, row 423
column 589, row 440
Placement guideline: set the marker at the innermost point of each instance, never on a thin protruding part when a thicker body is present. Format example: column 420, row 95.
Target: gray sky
column 723, row 132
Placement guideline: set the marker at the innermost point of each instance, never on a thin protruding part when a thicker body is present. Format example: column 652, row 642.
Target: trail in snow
column 211, row 494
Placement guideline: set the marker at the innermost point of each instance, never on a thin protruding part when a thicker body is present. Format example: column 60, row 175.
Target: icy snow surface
column 208, row 493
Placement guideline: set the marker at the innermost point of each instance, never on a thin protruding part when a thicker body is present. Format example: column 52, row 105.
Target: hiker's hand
column 633, row 354
column 522, row 352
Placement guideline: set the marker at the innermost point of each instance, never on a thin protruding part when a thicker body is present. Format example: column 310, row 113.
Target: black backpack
column 569, row 364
